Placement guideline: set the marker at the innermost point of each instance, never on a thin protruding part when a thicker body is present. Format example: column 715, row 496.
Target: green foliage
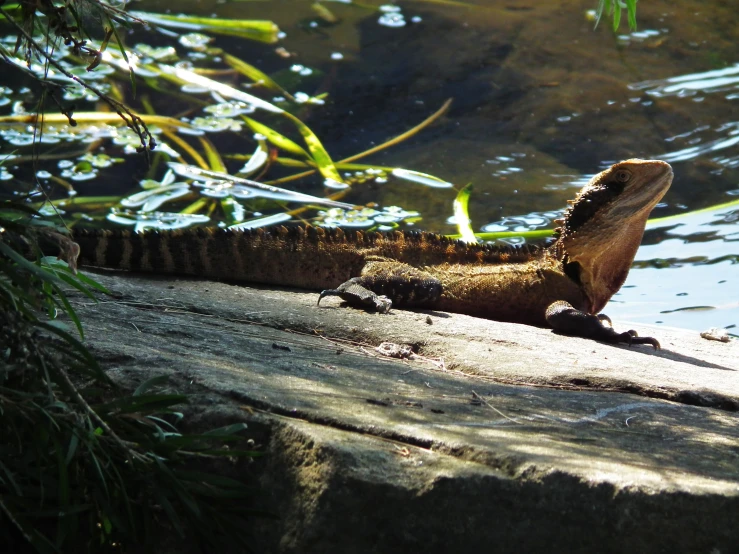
column 85, row 467
column 613, row 8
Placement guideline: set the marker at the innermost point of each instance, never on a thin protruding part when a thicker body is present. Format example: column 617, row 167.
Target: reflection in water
column 686, row 86
column 720, row 80
column 698, row 277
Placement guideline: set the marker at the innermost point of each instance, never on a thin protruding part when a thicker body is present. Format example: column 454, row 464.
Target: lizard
column 564, row 284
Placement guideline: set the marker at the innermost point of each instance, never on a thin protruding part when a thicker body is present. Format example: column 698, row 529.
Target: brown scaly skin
column 562, row 286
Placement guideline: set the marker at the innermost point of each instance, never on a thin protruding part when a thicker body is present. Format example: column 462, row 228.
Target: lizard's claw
column 604, row 317
column 632, row 337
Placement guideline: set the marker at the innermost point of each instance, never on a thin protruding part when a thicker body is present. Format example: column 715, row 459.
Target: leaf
column 262, row 222
column 227, row 430
column 462, row 216
column 257, row 161
column 182, row 75
column 150, row 383
column 70, row 311
column 318, row 152
column 255, row 75
column 259, row 30
column 616, row 15
column 92, row 283
column 632, row 14
column 214, row 158
column 280, row 141
column 144, row 403
column 528, row 235
column 31, row 267
column 421, row 178
column 74, row 442
column 262, row 189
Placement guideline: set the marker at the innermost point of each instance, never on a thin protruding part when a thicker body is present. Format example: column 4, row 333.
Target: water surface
column 541, row 102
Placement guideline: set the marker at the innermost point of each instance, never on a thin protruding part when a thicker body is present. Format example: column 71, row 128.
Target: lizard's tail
column 277, row 257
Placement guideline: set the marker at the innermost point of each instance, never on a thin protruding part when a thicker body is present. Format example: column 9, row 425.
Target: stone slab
column 492, row 422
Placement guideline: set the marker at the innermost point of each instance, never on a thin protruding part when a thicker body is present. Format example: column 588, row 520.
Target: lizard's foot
column 357, row 295
column 569, row 321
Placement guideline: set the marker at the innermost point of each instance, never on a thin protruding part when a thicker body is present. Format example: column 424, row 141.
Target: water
column 542, row 101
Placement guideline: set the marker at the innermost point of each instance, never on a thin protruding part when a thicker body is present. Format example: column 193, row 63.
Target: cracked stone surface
column 494, row 433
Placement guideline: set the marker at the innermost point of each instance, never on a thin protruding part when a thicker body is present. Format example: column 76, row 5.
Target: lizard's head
column 604, row 225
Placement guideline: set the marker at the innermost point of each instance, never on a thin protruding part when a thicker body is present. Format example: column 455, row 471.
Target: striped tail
column 291, row 257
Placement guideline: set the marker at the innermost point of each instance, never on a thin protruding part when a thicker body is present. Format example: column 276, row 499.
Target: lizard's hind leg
column 385, row 283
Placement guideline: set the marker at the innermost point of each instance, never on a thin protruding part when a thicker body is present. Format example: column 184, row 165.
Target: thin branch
column 133, row 121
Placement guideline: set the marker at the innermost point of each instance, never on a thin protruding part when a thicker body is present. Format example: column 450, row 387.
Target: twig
column 496, row 410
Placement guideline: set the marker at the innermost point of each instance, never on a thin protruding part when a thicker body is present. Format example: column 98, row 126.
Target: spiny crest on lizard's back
column 437, row 246
column 428, row 246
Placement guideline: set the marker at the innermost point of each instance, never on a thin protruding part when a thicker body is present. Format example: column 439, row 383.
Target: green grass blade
column 679, row 218
column 185, row 76
column 462, row 216
column 76, row 345
column 122, row 50
column 262, row 222
column 150, row 384
column 318, row 152
column 256, row 75
column 227, row 430
column 31, row 267
column 537, row 235
column 277, row 139
column 61, row 270
column 92, row 283
column 421, row 178
column 616, row 15
column 631, row 6
column 70, row 311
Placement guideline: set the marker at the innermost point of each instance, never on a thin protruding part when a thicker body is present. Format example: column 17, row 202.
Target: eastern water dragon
column 563, row 285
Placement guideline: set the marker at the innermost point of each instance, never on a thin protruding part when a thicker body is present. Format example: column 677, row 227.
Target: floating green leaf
column 262, row 31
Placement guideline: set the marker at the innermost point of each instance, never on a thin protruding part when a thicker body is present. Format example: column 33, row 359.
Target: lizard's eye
column 623, row 176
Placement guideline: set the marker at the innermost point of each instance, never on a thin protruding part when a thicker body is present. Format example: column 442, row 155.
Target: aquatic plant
column 613, row 8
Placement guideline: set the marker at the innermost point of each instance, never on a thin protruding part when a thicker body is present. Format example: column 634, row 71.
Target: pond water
column 541, row 102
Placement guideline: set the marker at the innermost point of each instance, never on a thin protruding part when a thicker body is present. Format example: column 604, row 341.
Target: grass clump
column 84, row 466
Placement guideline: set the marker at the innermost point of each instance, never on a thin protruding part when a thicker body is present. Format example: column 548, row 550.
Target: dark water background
column 541, row 102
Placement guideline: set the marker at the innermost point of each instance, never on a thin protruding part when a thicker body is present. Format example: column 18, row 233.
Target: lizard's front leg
column 384, row 283
column 570, row 321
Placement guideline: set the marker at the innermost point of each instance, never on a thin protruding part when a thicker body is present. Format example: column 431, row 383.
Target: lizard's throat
column 604, row 262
